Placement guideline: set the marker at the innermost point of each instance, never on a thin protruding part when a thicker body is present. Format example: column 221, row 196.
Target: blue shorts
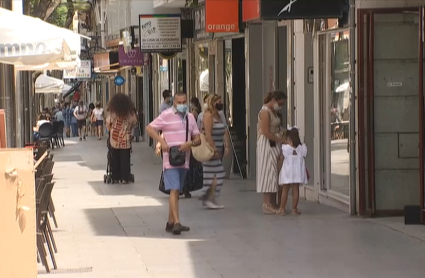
column 174, row 178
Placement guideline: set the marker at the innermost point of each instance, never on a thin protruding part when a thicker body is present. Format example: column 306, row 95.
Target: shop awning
column 71, row 90
column 27, row 41
column 66, row 89
column 48, row 85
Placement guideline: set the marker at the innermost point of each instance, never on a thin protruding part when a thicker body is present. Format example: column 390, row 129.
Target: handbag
column 203, row 152
column 176, row 157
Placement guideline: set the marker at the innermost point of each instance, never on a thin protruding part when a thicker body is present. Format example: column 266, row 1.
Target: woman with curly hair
column 120, row 123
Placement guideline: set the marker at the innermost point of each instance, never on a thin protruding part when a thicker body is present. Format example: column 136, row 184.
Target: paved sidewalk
column 117, row 231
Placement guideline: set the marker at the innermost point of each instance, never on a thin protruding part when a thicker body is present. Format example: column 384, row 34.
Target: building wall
column 368, row 4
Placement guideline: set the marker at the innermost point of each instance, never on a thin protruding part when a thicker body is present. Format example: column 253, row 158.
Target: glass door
column 335, row 110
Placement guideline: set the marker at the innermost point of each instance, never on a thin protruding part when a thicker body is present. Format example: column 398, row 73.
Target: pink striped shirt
column 173, row 127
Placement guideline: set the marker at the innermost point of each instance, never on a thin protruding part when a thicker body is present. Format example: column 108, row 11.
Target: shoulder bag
column 176, row 157
column 204, row 152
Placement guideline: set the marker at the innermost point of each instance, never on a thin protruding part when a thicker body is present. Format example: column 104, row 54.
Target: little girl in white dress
column 293, row 172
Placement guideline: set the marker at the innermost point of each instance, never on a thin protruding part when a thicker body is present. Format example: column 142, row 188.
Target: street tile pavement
column 113, row 230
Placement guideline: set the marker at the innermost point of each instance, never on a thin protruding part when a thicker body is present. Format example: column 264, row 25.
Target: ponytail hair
column 277, row 95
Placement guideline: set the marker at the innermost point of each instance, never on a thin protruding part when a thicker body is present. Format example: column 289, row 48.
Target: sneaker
column 212, row 205
column 84, row 138
column 81, row 139
column 218, row 205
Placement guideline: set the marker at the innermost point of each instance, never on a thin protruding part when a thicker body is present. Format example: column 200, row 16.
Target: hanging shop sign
column 222, row 16
column 200, row 33
column 250, row 10
column 119, row 80
column 300, row 9
column 82, row 71
column 132, row 58
column 160, row 33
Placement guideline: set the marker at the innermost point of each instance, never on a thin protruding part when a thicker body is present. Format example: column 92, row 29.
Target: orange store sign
column 222, row 16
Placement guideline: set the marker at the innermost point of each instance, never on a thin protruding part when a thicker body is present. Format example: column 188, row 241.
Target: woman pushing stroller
column 120, row 123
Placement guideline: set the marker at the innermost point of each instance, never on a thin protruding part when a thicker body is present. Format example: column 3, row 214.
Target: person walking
column 67, row 114
column 120, row 123
column 80, row 112
column 91, row 125
column 217, row 136
column 74, row 121
column 269, row 140
column 179, row 134
column 97, row 118
column 167, row 102
column 293, row 172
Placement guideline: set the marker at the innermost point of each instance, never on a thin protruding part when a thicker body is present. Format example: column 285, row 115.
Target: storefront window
column 164, row 82
column 339, row 99
column 203, row 73
column 228, row 80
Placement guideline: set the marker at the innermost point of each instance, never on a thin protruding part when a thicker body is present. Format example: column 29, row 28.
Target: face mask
column 219, row 106
column 205, row 106
column 276, row 106
column 182, row 108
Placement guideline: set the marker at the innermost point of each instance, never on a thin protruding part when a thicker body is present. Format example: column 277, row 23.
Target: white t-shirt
column 98, row 114
column 81, row 112
column 293, row 168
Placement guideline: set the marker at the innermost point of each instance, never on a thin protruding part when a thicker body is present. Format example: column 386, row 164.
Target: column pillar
column 254, row 89
column 303, row 89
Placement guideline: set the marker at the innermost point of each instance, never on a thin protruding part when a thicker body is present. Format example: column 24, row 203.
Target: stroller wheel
column 105, row 178
column 108, row 180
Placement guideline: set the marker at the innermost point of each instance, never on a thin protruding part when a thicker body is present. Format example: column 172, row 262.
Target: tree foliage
column 57, row 12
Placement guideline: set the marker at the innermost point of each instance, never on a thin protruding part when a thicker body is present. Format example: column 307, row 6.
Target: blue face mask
column 182, row 108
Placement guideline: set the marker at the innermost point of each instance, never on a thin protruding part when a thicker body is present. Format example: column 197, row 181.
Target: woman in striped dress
column 216, row 135
column 269, row 140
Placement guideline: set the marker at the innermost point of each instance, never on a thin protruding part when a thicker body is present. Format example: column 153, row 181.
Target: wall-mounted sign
column 83, row 71
column 132, row 58
column 300, row 9
column 250, row 10
column 119, row 80
column 160, row 33
column 222, row 16
column 199, row 33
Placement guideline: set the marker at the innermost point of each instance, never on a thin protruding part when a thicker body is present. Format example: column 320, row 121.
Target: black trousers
column 120, row 164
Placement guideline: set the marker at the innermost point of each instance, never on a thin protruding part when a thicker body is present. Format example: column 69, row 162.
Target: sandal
column 296, row 212
column 281, row 212
column 268, row 209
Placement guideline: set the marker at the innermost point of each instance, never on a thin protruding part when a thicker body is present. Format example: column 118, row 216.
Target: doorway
column 390, row 110
column 334, row 80
column 235, row 100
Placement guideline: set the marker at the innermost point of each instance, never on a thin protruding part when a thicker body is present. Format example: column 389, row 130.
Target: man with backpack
column 80, row 114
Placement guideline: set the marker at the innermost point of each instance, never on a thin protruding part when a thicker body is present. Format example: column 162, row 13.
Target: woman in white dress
column 293, row 172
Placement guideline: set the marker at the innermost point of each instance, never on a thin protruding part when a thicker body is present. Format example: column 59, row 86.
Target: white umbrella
column 48, row 85
column 27, row 40
column 66, row 88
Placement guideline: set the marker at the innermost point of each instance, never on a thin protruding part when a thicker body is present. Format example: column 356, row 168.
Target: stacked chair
column 45, row 211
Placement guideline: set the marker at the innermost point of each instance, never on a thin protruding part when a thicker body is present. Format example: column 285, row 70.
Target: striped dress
column 267, row 156
column 214, row 168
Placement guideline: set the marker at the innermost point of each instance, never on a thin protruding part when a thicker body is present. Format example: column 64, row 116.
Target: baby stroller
column 107, row 178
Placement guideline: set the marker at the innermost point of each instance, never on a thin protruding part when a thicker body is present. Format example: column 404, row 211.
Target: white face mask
column 276, row 107
column 205, row 106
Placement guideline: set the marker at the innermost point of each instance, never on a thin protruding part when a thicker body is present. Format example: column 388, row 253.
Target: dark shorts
column 81, row 123
column 99, row 123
